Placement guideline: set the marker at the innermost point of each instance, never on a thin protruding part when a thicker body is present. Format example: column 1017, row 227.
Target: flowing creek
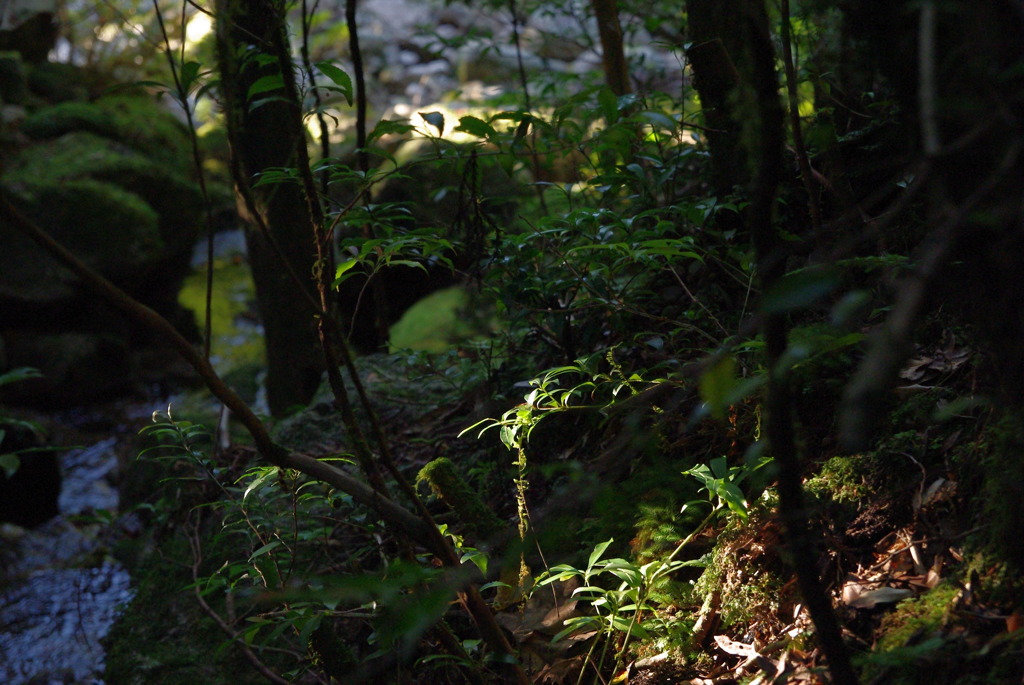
column 67, row 593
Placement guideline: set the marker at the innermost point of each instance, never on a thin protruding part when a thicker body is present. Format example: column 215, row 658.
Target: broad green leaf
column 387, row 127
column 340, row 78
column 189, row 73
column 435, row 119
column 265, row 84
column 734, row 498
column 9, row 462
column 596, row 554
column 578, row 623
column 719, row 467
column 340, row 271
column 717, row 384
column 270, row 546
column 310, row 625
column 800, row 289
column 476, row 127
column 478, row 558
column 659, row 119
column 256, row 104
column 19, row 374
column 609, row 104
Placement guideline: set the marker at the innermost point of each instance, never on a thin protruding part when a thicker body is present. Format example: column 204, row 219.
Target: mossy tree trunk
column 266, row 131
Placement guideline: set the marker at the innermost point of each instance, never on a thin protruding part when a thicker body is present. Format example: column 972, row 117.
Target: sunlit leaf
column 260, row 481
column 476, row 127
column 717, row 384
column 598, row 551
column 435, row 119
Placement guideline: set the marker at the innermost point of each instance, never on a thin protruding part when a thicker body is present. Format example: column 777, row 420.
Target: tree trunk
column 609, row 29
column 262, row 137
column 721, row 65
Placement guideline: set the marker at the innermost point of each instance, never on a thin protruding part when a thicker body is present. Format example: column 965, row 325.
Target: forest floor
column 906, row 539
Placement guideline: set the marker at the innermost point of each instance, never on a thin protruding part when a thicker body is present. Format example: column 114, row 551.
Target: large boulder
column 111, row 180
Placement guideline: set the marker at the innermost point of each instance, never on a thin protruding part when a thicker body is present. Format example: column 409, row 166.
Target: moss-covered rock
column 109, row 228
column 111, row 180
column 65, row 117
column 86, row 155
column 13, row 86
column 135, row 120
column 76, row 367
column 60, row 82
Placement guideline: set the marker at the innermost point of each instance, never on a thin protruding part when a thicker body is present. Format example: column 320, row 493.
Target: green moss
column 65, row 117
column 109, row 228
column 82, row 155
column 140, row 122
column 59, row 81
column 1002, row 504
column 147, row 125
column 163, row 636
column 236, row 348
column 433, row 323
column 749, row 588
column 911, row 642
column 919, row 615
column 446, row 482
column 843, row 479
column 13, row 88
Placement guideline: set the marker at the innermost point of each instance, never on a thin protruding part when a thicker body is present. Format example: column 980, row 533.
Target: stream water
column 66, row 592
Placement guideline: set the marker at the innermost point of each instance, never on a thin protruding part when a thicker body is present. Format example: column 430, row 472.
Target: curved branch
column 398, row 517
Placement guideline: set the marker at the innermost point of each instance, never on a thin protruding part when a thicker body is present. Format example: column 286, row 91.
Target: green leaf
column 733, row 496
column 340, row 78
column 435, row 119
column 478, row 558
column 256, row 104
column 9, row 463
column 522, row 129
column 577, row 623
column 717, row 384
column 19, row 374
column 307, row 630
column 596, row 554
column 265, row 84
column 609, row 104
column 387, row 127
column 189, row 73
column 476, row 127
column 270, row 546
column 658, row 119
column 800, row 289
column 260, row 480
column 339, row 273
